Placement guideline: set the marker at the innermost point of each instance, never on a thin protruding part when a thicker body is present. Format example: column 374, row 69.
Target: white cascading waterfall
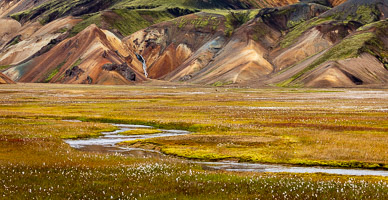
column 141, row 59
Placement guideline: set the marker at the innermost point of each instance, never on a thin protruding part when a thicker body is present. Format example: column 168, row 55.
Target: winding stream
column 107, row 144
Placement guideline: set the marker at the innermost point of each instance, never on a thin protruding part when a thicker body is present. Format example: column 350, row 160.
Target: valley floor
column 311, row 127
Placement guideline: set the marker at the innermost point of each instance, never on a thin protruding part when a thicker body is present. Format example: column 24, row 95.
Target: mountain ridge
column 283, row 46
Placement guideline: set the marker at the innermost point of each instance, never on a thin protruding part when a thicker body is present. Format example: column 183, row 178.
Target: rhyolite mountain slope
column 312, row 43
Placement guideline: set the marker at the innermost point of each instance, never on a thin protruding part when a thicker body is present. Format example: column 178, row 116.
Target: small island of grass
column 141, row 132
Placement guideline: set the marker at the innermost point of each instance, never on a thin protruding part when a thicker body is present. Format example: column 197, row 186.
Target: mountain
column 358, row 54
column 207, row 54
column 79, row 59
column 358, row 59
column 312, row 43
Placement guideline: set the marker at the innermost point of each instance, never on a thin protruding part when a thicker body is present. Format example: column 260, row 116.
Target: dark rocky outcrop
column 338, row 30
column 177, row 12
column 74, row 72
column 287, row 17
column 359, row 10
column 13, row 41
column 50, row 45
column 122, row 69
column 89, row 80
column 186, row 78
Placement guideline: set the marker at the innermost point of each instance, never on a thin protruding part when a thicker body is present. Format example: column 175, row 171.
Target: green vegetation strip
column 130, row 21
column 3, row 67
column 54, row 72
column 291, row 37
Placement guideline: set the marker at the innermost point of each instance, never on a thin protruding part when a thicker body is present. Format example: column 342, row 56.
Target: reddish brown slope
column 166, row 46
column 80, row 60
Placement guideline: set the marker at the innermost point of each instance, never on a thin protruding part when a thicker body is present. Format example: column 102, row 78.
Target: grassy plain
column 337, row 127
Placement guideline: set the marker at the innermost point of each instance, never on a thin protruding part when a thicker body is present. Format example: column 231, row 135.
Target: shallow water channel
column 107, row 143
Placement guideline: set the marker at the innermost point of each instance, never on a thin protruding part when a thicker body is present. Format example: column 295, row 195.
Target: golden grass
column 297, row 126
column 309, row 127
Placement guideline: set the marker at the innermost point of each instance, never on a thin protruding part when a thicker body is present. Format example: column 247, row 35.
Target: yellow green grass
column 340, row 127
column 330, row 129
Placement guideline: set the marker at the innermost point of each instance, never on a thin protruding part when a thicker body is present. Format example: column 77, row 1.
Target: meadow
column 314, row 127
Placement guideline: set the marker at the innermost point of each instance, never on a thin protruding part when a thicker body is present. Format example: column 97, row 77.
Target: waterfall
column 141, row 59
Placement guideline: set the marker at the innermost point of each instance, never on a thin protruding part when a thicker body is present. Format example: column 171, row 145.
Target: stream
column 107, row 144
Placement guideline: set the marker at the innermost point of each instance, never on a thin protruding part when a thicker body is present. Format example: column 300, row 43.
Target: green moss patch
column 130, row 21
column 3, row 67
column 124, row 21
column 292, row 36
column 235, row 20
column 54, row 72
column 88, row 20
